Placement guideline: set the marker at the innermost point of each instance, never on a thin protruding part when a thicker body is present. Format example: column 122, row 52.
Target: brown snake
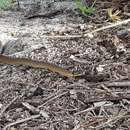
column 36, row 64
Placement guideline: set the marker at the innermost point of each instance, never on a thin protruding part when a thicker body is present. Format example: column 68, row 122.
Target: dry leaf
column 114, row 14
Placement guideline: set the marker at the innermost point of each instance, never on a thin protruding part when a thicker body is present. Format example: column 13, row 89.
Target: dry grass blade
column 114, row 15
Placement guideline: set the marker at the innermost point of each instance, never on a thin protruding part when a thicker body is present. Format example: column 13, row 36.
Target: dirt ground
column 38, row 99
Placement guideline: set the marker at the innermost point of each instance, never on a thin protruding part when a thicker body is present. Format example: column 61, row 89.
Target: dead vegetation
column 96, row 45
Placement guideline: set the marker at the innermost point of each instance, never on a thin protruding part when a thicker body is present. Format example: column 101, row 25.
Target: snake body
column 35, row 64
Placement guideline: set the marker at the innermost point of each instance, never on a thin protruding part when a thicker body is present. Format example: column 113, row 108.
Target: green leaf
column 84, row 9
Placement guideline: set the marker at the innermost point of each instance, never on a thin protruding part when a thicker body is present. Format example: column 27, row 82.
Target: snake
column 36, row 64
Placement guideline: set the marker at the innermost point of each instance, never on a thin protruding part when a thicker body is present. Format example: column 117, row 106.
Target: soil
column 38, row 99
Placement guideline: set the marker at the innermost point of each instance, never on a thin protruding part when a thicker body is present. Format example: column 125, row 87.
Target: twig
column 88, row 124
column 111, row 120
column 108, row 26
column 6, row 107
column 122, row 104
column 35, row 110
column 119, row 84
column 93, row 108
column 29, row 50
column 74, row 58
column 1, row 91
column 66, row 37
column 86, row 110
column 21, row 121
column 15, row 82
column 107, row 99
column 108, row 91
column 108, row 120
column 53, row 99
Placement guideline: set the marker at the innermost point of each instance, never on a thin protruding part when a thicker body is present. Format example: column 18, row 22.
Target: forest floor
column 38, row 99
